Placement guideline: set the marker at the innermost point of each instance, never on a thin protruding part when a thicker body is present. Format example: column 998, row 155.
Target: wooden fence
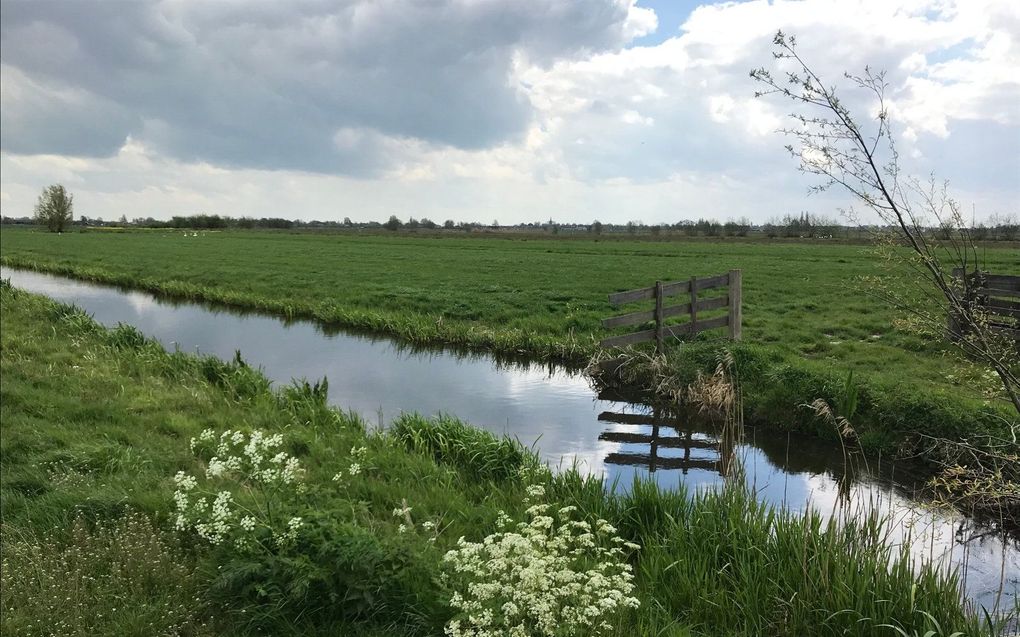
column 997, row 294
column 659, row 292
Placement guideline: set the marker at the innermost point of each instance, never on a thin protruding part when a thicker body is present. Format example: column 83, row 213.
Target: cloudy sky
column 514, row 110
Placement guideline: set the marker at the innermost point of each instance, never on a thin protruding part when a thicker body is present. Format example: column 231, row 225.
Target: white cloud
column 518, row 114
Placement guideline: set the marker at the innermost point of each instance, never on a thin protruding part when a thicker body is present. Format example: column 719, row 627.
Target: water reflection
column 719, row 456
column 555, row 410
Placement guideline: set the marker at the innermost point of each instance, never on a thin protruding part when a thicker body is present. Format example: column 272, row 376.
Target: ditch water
column 555, row 411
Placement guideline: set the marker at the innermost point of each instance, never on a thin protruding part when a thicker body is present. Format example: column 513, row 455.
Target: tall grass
column 471, row 450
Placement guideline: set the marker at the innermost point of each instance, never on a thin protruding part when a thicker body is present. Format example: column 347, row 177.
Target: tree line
column 55, row 211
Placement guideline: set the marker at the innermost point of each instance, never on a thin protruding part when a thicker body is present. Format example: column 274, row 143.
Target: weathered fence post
column 694, row 306
column 953, row 327
column 736, row 314
column 660, row 345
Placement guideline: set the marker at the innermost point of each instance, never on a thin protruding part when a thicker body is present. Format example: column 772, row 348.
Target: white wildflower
column 239, row 460
column 535, row 491
column 216, row 468
column 549, row 575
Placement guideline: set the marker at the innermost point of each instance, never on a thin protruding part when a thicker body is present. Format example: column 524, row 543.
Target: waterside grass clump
column 97, row 422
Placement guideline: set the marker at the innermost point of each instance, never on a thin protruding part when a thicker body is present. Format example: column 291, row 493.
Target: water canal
column 555, row 411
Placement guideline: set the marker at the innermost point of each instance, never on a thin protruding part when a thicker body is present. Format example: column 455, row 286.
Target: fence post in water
column 660, row 346
column 736, row 313
column 694, row 307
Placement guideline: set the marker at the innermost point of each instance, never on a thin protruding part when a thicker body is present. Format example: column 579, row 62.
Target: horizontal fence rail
column 659, row 293
column 997, row 295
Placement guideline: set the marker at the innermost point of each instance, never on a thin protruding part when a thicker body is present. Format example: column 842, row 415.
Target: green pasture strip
column 96, row 422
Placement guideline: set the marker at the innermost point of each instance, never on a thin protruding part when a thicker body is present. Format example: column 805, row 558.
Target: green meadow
column 812, row 312
column 97, row 422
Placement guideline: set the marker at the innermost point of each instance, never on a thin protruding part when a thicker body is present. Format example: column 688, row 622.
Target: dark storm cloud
column 269, row 84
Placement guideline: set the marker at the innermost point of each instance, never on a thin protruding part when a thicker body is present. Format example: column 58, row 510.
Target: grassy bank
column 97, row 422
column 809, row 322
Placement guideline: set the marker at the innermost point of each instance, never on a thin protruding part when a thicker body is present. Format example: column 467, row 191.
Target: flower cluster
column 357, row 457
column 551, row 575
column 249, row 464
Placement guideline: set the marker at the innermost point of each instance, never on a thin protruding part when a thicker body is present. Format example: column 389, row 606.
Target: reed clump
column 469, row 449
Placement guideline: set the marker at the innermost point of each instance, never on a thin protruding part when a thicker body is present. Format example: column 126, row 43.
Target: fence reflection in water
column 720, row 445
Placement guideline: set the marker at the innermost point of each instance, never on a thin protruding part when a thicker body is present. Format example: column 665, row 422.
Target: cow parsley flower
column 253, row 464
column 550, row 575
column 401, row 511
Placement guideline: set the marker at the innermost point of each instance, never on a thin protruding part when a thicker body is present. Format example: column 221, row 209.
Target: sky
column 484, row 110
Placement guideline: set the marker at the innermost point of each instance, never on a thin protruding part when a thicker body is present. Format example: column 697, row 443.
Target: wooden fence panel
column 992, row 293
column 731, row 301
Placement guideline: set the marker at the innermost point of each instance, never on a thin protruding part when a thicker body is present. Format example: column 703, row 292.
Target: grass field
column 97, row 422
column 807, row 309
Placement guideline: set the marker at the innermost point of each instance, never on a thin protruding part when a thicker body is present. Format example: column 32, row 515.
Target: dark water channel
column 556, row 411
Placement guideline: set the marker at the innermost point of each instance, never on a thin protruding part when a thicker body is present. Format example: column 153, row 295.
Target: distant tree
column 393, row 224
column 427, row 223
column 743, row 226
column 347, row 222
column 449, row 224
column 596, row 227
column 55, row 208
column 687, row 226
